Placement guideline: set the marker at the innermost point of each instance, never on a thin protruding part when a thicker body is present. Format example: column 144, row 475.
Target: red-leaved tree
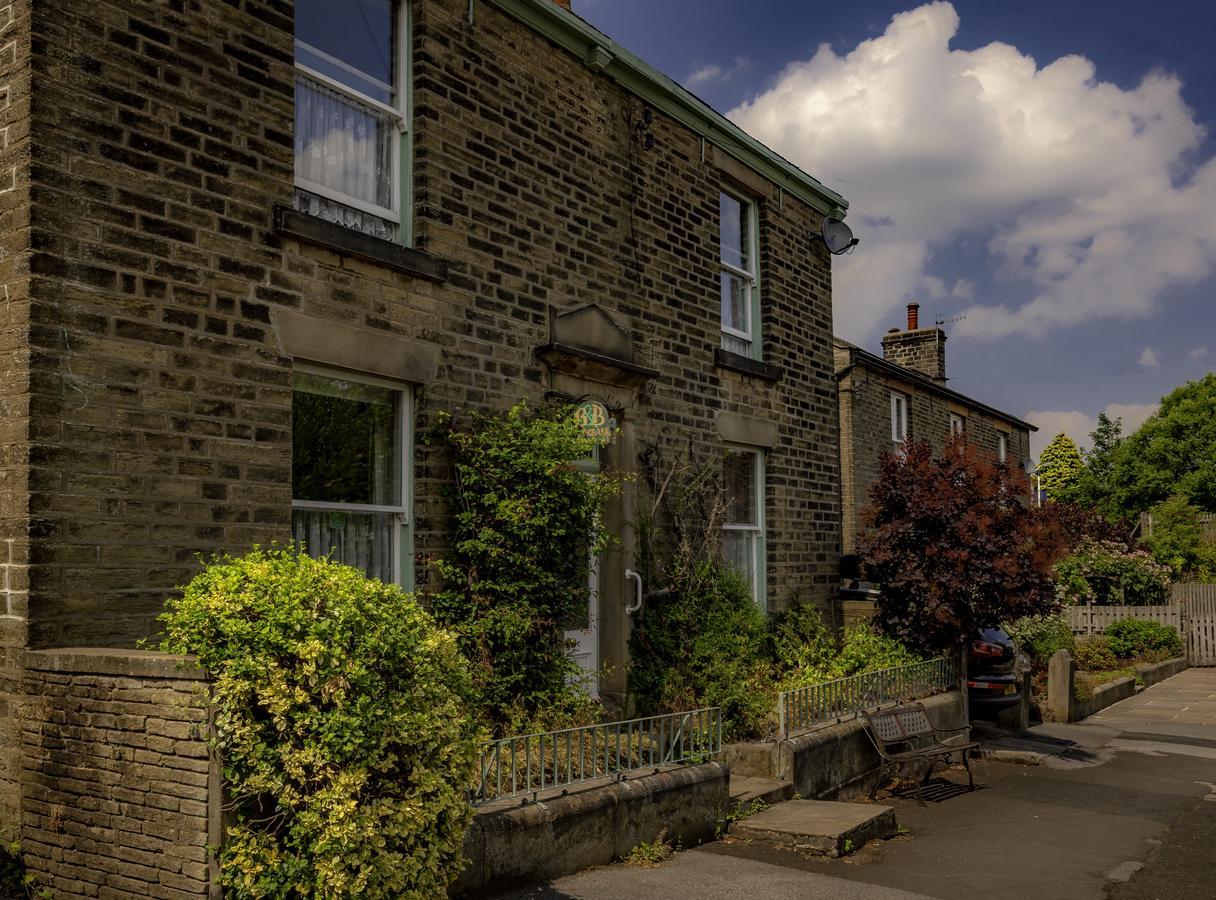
column 954, row 546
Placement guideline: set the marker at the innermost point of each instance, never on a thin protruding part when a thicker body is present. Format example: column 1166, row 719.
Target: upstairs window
column 350, row 471
column 739, row 274
column 958, row 425
column 1002, row 446
column 899, row 417
column 350, row 114
column 743, row 529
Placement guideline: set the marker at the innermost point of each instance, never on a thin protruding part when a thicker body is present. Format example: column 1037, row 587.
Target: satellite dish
column 837, row 236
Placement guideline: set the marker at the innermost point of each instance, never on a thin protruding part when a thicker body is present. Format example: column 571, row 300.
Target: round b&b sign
column 595, row 421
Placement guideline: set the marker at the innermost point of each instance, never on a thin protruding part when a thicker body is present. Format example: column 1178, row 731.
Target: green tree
column 1174, row 452
column 1059, row 467
column 1092, row 487
column 1177, row 541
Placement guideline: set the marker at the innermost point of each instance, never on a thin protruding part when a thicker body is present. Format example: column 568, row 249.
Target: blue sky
column 1044, row 169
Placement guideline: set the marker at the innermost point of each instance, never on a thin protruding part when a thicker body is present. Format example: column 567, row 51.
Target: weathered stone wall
column 163, row 394
column 120, row 795
column 921, row 349
column 865, row 411
column 14, row 390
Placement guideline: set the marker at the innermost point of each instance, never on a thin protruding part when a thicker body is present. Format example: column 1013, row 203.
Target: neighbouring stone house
column 902, row 395
column 229, row 223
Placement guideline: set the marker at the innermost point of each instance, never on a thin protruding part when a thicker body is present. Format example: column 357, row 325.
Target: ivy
column 341, row 715
column 526, row 520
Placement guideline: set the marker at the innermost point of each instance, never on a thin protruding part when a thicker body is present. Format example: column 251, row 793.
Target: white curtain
column 342, row 144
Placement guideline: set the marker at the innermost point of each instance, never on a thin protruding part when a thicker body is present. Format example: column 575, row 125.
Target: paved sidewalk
column 1121, row 806
column 1188, row 700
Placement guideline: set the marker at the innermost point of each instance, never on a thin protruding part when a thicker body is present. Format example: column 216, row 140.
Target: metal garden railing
column 528, row 764
column 804, row 707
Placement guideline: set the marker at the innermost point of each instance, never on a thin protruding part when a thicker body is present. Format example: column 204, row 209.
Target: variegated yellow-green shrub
column 342, row 720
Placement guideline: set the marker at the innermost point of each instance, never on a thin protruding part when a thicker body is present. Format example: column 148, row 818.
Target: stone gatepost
column 1060, row 675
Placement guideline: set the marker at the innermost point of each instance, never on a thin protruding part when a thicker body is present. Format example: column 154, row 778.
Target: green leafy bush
column 1177, row 541
column 1137, row 637
column 342, row 719
column 524, row 517
column 1041, row 636
column 1094, row 654
column 705, row 646
column 699, row 639
column 1107, row 573
column 799, row 641
column 864, row 649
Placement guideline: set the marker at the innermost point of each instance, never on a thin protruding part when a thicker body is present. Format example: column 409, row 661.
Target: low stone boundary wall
column 1062, row 704
column 120, row 795
column 832, row 761
column 511, row 843
column 1150, row 675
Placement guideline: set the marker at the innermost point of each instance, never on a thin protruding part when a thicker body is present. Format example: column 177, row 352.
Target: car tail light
column 984, row 648
column 987, row 685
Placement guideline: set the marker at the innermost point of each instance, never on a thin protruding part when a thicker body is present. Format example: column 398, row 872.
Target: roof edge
column 861, row 356
column 602, row 54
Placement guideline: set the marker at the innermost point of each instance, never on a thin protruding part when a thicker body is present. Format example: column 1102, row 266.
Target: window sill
column 736, row 362
column 296, row 224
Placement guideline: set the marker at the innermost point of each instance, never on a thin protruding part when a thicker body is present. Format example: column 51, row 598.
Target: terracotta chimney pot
column 913, row 316
column 564, row 4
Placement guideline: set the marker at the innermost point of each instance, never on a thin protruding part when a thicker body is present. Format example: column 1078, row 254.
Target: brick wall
column 121, row 797
column 162, row 396
column 14, row 389
column 865, row 411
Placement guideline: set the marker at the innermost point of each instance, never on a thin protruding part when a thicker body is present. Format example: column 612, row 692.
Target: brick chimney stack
column 922, row 349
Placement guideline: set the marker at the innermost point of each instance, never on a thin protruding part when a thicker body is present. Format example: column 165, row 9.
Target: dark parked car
column 993, row 671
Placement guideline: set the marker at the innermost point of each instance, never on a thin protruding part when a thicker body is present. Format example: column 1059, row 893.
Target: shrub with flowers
column 1108, row 574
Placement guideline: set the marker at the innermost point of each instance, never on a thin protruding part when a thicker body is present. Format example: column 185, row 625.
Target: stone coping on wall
column 1157, row 672
column 114, row 661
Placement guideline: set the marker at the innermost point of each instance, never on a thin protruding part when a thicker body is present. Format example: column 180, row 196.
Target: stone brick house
column 228, row 224
column 902, row 395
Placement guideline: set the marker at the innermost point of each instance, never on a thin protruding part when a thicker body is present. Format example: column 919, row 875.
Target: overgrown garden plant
column 700, row 639
column 955, row 546
column 342, row 720
column 525, row 521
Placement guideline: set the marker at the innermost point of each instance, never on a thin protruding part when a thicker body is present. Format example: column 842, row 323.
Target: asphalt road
column 1126, row 811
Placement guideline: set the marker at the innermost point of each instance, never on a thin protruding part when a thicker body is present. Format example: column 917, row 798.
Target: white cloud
column 1148, row 358
column 1082, row 186
column 716, row 74
column 963, row 289
column 1197, row 354
column 1078, row 425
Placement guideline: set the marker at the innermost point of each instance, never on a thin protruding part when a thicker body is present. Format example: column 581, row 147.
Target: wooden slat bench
column 904, row 734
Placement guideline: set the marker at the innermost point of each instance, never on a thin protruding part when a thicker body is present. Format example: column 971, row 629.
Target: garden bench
column 904, row 734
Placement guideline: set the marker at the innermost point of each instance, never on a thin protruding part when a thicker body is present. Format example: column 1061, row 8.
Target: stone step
column 747, row 789
column 818, row 827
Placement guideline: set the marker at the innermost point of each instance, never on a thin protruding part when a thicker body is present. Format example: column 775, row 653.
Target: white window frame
column 1002, row 446
column 899, row 417
column 399, row 110
column 752, row 307
column 758, row 529
column 958, row 424
column 403, row 574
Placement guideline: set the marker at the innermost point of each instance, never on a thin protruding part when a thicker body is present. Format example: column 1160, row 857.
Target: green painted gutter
column 602, row 54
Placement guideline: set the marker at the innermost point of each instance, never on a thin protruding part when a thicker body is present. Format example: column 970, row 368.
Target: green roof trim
column 602, row 54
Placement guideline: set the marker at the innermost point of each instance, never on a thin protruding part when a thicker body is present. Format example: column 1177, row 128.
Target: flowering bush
column 1041, row 636
column 1107, row 573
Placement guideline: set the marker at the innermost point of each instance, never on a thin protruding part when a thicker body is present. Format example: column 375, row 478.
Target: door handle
column 637, row 604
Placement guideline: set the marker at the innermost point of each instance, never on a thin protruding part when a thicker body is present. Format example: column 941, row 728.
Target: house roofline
column 860, row 356
column 602, row 54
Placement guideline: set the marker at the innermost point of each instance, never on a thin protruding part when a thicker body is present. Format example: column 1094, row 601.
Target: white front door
column 583, row 634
